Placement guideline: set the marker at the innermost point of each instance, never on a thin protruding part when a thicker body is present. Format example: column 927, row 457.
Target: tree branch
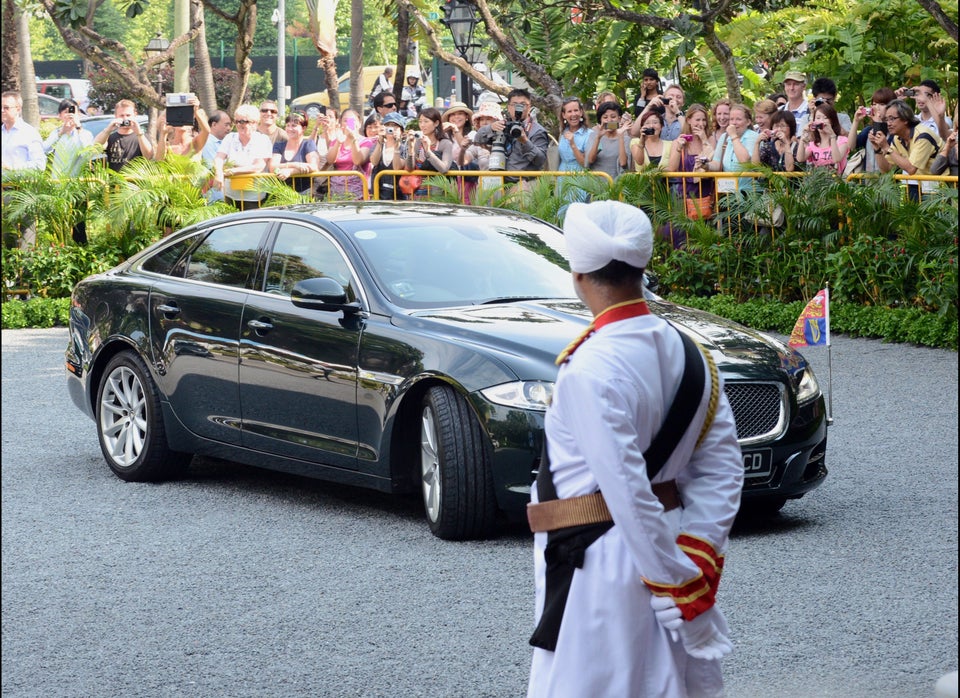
column 933, row 7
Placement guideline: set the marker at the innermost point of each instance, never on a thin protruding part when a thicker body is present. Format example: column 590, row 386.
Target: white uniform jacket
column 609, row 401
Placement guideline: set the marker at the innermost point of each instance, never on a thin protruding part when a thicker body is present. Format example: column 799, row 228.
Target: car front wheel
column 456, row 481
column 130, row 424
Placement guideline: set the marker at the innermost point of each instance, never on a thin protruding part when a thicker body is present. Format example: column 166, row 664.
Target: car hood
column 528, row 335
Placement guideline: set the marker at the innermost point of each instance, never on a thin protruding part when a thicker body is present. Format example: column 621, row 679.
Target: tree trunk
column 356, row 56
column 201, row 55
column 28, row 78
column 724, row 55
column 245, row 20
column 10, row 75
column 330, row 72
column 403, row 49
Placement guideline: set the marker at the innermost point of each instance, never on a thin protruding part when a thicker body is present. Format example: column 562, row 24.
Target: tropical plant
column 54, row 202
column 150, row 197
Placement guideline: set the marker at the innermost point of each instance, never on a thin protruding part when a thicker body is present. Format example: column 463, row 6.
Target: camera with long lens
column 498, row 152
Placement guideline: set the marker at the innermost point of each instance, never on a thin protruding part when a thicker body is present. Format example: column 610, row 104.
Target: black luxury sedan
column 399, row 347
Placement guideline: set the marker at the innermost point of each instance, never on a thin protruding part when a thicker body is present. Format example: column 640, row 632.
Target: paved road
column 238, row 582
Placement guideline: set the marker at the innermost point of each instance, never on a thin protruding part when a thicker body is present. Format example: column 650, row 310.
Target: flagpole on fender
column 829, row 355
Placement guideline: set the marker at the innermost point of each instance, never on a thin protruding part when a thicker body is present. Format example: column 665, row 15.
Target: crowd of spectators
column 905, row 130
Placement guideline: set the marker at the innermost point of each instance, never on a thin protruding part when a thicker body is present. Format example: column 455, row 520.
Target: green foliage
column 869, row 48
column 911, row 325
column 106, row 91
column 36, row 312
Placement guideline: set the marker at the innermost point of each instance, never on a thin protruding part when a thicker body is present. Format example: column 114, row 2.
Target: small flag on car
column 813, row 325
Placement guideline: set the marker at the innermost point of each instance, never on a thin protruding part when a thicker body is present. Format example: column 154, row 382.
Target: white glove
column 668, row 615
column 702, row 638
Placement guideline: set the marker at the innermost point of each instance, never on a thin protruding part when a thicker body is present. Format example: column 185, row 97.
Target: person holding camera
column 609, row 147
column 821, row 144
column 910, row 147
column 825, row 92
column 517, row 143
column 70, row 147
column 123, row 139
column 931, row 106
column 182, row 139
column 776, row 146
column 874, row 121
column 386, row 156
column 668, row 106
column 67, row 142
column 650, row 148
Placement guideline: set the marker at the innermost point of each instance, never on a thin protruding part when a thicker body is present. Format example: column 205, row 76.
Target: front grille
column 759, row 409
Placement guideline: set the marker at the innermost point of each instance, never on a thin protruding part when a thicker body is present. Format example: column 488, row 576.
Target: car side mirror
column 322, row 293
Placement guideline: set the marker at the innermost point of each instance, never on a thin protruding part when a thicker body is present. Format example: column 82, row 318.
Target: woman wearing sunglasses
column 247, row 152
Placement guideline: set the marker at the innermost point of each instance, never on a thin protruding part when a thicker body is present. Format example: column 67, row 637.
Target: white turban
column 602, row 231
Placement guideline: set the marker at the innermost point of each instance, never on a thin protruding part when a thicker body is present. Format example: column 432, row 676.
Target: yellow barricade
column 496, row 179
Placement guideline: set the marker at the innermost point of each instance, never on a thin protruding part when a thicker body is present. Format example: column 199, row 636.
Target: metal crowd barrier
column 469, row 181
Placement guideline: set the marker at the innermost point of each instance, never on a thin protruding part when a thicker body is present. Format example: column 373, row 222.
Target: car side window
column 305, row 253
column 226, row 256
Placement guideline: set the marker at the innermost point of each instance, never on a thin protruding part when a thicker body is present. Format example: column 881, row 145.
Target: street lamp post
column 460, row 17
column 279, row 20
column 155, row 47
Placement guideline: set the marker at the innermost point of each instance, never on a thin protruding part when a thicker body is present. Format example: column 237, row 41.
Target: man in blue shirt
column 22, row 150
column 220, row 126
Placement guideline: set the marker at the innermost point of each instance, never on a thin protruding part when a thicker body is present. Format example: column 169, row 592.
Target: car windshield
column 435, row 262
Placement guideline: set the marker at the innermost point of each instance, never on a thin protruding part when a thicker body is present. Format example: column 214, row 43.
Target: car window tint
column 305, row 253
column 227, row 255
column 164, row 261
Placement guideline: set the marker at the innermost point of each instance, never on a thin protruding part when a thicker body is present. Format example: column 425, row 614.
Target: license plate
column 758, row 464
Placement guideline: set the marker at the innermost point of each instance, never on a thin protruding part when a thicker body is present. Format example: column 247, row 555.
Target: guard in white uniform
column 639, row 618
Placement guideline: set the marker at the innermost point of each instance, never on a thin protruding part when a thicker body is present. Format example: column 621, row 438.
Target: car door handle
column 259, row 325
column 168, row 309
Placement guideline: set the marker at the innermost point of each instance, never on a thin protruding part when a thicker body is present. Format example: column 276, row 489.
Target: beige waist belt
column 589, row 508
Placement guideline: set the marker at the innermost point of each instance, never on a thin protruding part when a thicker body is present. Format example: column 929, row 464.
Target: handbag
column 699, row 208
column 856, row 163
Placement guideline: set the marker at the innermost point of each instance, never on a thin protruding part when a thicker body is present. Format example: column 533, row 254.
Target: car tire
column 455, row 468
column 130, row 423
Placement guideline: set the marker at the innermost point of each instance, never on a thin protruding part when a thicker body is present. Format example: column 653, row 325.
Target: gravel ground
column 240, row 582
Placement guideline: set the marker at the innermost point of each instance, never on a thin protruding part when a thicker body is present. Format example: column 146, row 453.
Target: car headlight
column 524, row 395
column 808, row 389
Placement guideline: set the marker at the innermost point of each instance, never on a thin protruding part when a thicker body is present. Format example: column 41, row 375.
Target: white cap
column 602, row 231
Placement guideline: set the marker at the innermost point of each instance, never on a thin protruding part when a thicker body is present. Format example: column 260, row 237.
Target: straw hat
column 490, row 109
column 455, row 107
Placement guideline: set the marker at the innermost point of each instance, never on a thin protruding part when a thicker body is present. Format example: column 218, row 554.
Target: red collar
column 615, row 313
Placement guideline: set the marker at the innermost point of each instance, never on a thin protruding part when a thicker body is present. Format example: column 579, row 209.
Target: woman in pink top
column 348, row 150
column 821, row 144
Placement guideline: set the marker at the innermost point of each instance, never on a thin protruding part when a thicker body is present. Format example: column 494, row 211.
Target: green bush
column 36, row 312
column 912, row 325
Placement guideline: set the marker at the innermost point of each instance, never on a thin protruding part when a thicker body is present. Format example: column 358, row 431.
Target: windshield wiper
column 510, row 299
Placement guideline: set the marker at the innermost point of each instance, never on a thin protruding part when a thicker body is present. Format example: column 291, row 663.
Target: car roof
column 377, row 210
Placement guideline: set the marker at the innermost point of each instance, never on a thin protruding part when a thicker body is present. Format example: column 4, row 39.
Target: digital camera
column 176, row 99
column 391, row 130
column 816, row 127
column 125, row 122
column 909, row 92
column 514, row 129
column 648, row 131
